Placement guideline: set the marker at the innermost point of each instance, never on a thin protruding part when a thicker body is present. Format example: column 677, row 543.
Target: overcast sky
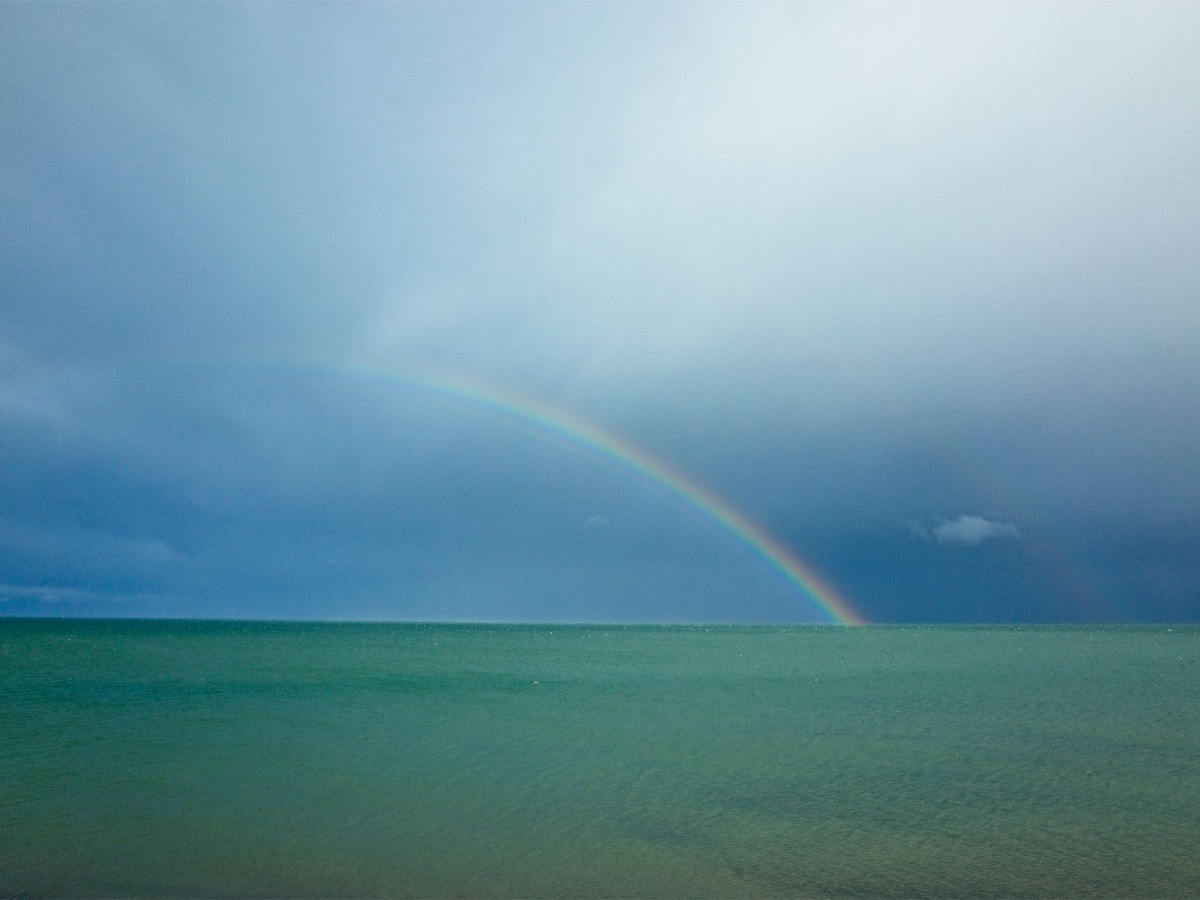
column 915, row 288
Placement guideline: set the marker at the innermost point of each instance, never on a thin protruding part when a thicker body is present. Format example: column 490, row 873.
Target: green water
column 272, row 759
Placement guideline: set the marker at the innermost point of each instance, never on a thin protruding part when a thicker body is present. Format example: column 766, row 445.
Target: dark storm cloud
column 851, row 267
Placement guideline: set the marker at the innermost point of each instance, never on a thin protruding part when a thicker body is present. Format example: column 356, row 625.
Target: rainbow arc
column 576, row 430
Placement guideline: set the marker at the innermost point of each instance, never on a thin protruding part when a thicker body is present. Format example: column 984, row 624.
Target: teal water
column 166, row 758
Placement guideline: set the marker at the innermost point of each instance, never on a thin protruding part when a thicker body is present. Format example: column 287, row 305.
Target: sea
column 290, row 759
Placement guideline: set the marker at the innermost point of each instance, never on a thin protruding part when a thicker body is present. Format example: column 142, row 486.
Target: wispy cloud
column 48, row 593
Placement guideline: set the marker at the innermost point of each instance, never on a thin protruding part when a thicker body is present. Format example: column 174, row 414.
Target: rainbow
column 578, row 431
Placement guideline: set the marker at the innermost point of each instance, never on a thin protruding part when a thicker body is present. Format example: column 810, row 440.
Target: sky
column 601, row 312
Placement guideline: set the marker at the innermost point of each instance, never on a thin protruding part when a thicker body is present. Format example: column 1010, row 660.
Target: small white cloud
column 973, row 530
column 598, row 521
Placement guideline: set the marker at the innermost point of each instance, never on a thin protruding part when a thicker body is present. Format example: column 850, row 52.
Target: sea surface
column 266, row 759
